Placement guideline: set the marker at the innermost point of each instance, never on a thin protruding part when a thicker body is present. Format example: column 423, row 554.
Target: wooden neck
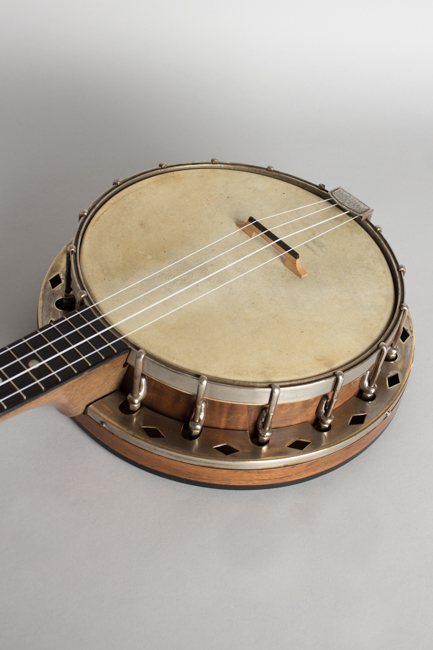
column 65, row 363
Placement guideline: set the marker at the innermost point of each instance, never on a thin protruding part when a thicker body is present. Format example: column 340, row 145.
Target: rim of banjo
column 240, row 373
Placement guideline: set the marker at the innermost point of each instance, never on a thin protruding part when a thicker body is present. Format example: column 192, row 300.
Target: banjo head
column 162, row 260
column 267, row 326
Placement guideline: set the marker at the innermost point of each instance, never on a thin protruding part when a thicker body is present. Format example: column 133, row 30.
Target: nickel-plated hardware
column 264, row 423
column 139, row 383
column 196, row 423
column 392, row 350
column 173, row 388
column 70, row 251
column 80, row 298
column 349, row 202
column 68, row 295
column 368, row 384
column 324, row 416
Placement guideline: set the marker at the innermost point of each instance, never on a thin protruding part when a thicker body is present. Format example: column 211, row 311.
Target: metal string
column 97, row 318
column 173, row 264
column 163, row 299
column 175, row 309
column 213, row 244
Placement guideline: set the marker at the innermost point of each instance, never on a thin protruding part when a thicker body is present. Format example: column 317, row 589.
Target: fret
column 27, row 368
column 10, row 373
column 24, row 353
column 85, row 316
column 102, row 338
column 89, row 342
column 106, row 335
column 35, row 356
column 64, row 347
column 74, row 344
column 7, row 389
column 2, row 378
column 34, row 353
column 83, row 347
column 54, row 354
column 63, row 368
column 88, row 332
column 17, row 383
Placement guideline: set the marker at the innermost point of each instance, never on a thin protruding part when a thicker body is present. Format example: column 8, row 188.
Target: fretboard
column 53, row 355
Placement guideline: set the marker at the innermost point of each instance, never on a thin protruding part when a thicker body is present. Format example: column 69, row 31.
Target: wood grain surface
column 230, row 477
column 72, row 397
column 229, row 415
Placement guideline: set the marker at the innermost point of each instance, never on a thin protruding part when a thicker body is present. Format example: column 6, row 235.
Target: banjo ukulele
column 222, row 324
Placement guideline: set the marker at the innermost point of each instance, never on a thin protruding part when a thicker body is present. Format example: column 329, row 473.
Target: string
column 173, row 310
column 163, row 299
column 180, row 307
column 97, row 318
column 232, row 280
column 213, row 244
column 167, row 267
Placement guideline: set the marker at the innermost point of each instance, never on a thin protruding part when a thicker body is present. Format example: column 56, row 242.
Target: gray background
column 96, row 553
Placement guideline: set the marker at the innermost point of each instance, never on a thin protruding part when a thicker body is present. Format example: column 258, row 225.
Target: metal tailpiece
column 349, row 202
column 196, row 423
column 392, row 350
column 324, row 416
column 264, row 423
column 368, row 385
column 139, row 383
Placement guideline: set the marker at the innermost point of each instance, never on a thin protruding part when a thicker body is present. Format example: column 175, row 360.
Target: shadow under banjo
column 215, row 347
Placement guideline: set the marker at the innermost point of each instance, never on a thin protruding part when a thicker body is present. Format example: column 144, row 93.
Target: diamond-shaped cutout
column 153, row 432
column 393, row 380
column 404, row 335
column 55, row 281
column 359, row 418
column 226, row 449
column 299, row 444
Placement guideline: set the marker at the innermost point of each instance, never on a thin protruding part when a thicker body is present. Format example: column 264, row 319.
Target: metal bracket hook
column 392, row 350
column 139, row 383
column 264, row 423
column 196, row 423
column 368, row 384
column 324, row 416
